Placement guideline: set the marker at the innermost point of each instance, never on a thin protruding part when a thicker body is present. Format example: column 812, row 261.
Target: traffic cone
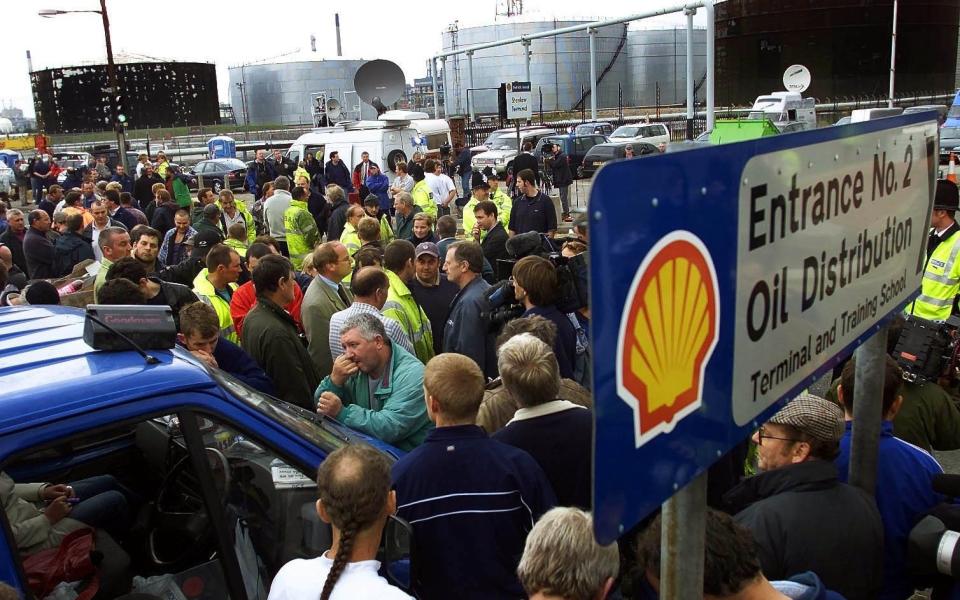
column 952, row 169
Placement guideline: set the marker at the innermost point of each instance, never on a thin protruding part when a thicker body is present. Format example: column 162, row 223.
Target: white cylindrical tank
column 280, row 93
column 6, row 125
column 659, row 56
column 559, row 66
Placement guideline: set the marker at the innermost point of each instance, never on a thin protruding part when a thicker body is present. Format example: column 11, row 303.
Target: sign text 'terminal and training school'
column 822, row 250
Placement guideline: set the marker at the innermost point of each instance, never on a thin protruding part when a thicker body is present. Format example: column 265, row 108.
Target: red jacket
column 245, row 298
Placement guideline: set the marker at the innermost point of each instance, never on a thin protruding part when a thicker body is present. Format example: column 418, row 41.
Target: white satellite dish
column 796, row 78
column 334, row 110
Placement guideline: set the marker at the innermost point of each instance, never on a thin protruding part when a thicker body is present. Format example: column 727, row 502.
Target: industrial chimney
column 336, row 19
column 29, row 63
column 313, row 43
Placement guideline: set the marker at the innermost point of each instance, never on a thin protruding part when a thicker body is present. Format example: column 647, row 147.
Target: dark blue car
column 224, row 475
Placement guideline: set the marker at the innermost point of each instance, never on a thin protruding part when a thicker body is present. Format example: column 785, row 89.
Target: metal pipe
column 336, row 20
column 593, row 74
column 711, row 57
column 114, row 89
column 443, row 75
column 682, row 541
column 29, row 63
column 471, row 108
column 893, row 55
column 690, row 14
column 526, row 58
column 871, row 365
column 581, row 27
column 433, row 74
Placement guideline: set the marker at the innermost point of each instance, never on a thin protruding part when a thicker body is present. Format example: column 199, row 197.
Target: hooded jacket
column 71, row 249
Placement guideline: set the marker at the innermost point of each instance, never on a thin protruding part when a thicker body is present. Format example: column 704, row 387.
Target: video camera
column 928, row 350
column 933, row 552
column 571, row 278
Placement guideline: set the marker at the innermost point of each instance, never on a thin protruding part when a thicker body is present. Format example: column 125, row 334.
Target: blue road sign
column 725, row 280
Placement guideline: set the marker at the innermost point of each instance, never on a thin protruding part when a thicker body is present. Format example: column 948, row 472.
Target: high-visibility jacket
column 404, row 309
column 386, row 230
column 207, row 293
column 237, row 245
column 470, row 219
column 504, row 205
column 350, row 239
column 423, row 198
column 302, row 233
column 941, row 282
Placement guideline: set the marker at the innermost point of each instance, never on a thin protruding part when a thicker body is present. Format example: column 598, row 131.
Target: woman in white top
column 356, row 499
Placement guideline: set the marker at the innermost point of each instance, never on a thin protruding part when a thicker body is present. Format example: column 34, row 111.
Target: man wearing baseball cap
column 185, row 272
column 941, row 276
column 431, row 289
column 802, row 517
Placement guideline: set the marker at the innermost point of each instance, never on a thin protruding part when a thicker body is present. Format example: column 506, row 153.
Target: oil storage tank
column 844, row 43
column 657, row 60
column 280, row 93
column 559, row 65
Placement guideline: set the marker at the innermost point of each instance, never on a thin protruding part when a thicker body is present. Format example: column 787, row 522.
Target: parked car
column 949, row 139
column 220, row 173
column 941, row 110
column 502, row 148
column 219, row 478
column 653, row 133
column 593, row 127
column 575, row 146
column 603, row 153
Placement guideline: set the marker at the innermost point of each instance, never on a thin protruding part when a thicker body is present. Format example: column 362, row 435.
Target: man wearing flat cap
column 941, row 275
column 802, row 517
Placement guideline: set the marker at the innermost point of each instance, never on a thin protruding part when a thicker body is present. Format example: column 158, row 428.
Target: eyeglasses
column 761, row 435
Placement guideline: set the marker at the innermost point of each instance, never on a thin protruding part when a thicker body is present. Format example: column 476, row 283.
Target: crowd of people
column 379, row 314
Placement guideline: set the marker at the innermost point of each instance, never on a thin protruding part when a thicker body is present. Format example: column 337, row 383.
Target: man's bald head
column 6, row 257
column 366, row 284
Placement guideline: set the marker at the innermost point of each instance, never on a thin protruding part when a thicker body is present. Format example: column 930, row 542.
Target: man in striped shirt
column 471, row 500
column 370, row 287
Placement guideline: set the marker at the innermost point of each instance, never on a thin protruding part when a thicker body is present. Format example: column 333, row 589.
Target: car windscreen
column 233, row 163
column 950, row 132
column 503, row 142
column 626, row 132
column 309, row 425
column 604, row 151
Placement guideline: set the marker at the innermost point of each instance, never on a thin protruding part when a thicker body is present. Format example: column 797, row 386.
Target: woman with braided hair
column 356, row 499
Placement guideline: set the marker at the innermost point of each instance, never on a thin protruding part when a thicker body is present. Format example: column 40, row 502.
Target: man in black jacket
column 802, row 517
column 526, row 160
column 338, row 212
column 494, row 242
column 562, row 178
column 337, row 172
column 37, row 248
column 156, row 292
column 72, row 247
column 143, row 189
column 12, row 237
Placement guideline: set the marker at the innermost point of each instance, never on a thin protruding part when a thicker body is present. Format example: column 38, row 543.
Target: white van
column 393, row 138
column 871, row 114
column 785, row 107
column 651, row 133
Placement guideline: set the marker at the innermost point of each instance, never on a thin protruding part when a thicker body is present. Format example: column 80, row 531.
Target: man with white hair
column 376, row 386
column 562, row 561
column 558, row 434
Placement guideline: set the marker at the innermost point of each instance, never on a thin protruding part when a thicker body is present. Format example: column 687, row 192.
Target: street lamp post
column 114, row 88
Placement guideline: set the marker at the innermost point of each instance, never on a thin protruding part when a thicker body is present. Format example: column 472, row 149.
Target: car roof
column 48, row 372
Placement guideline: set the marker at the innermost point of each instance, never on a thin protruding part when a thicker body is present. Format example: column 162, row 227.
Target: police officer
column 941, row 277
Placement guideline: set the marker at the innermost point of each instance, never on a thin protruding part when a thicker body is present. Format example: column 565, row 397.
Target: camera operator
column 535, row 285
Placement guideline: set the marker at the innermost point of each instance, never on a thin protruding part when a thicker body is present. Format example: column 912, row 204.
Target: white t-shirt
column 303, row 579
column 440, row 185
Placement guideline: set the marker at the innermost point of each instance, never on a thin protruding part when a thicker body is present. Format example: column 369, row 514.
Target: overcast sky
column 231, row 32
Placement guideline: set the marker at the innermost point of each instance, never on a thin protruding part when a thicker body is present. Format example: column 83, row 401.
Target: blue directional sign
column 725, row 280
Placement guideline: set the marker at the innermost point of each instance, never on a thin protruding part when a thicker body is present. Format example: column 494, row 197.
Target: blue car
column 224, row 476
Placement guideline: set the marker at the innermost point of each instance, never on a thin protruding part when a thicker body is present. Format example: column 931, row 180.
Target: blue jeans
column 465, row 183
column 103, row 504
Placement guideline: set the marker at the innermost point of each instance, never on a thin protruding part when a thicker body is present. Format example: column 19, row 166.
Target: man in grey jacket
column 468, row 325
column 273, row 210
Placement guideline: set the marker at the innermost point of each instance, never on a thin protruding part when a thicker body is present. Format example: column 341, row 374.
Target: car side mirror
column 395, row 552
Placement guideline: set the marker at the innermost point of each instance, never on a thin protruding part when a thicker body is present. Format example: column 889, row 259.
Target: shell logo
column 668, row 331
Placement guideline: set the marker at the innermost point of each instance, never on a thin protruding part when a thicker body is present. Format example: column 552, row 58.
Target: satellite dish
column 796, row 78
column 334, row 110
column 379, row 83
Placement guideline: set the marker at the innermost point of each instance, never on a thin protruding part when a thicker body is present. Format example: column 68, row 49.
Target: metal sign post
column 742, row 273
column 682, row 539
column 867, row 398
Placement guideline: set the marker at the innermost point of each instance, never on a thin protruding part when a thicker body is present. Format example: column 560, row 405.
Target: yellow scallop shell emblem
column 668, row 331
